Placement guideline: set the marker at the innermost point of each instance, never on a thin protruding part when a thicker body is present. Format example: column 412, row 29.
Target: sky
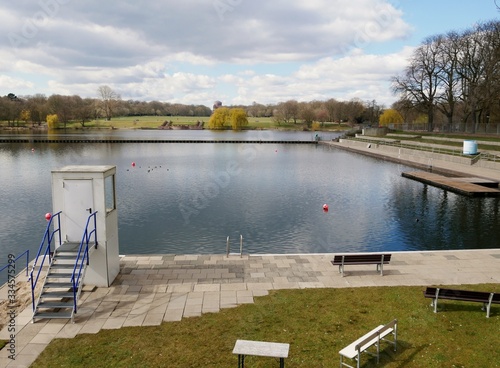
column 235, row 51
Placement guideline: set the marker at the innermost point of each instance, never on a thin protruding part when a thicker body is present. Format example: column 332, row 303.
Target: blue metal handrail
column 46, row 243
column 83, row 258
column 27, row 252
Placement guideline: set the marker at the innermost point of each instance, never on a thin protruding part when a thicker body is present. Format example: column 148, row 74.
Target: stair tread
column 62, row 266
column 55, row 304
column 55, row 294
column 53, row 314
column 58, row 284
column 60, row 275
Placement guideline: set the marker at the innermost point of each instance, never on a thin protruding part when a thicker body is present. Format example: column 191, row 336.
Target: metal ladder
column 228, row 247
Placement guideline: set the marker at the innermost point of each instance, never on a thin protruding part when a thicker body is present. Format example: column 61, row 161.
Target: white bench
column 372, row 338
column 260, row 348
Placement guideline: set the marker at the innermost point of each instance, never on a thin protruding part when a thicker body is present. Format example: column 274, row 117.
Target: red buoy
column 325, row 207
column 48, row 216
column 133, row 164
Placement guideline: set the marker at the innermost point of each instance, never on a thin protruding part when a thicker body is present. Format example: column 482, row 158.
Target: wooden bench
column 260, row 348
column 464, row 295
column 361, row 259
column 372, row 338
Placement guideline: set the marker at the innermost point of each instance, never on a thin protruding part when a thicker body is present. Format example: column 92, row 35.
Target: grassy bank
column 316, row 322
column 153, row 122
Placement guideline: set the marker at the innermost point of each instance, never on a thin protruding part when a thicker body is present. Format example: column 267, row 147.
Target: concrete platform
column 153, row 289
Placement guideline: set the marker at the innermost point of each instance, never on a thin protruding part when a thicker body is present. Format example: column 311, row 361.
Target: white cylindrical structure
column 470, row 148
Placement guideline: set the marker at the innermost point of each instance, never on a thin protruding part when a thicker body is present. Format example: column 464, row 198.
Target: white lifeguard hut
column 78, row 191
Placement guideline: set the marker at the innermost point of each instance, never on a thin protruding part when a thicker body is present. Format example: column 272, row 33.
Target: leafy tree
column 219, row 118
column 238, row 117
column 52, row 121
column 391, row 116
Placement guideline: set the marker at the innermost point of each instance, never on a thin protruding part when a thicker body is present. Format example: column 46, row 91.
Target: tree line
column 454, row 76
column 35, row 109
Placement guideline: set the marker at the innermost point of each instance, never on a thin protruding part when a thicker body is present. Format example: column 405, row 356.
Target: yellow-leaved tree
column 25, row 116
column 391, row 116
column 238, row 118
column 219, row 118
column 52, row 121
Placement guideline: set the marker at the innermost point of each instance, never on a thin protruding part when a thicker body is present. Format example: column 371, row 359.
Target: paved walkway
column 153, row 289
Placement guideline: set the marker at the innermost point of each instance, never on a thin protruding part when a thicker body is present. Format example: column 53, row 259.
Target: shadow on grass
column 459, row 306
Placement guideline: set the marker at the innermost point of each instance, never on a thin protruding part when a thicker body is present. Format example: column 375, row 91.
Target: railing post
column 241, row 246
column 95, row 229
column 27, row 260
column 32, row 292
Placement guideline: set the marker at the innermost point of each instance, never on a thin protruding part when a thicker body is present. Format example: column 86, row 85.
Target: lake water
column 187, row 198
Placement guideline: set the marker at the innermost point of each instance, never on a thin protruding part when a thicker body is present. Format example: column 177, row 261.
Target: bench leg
column 435, row 301
column 486, row 307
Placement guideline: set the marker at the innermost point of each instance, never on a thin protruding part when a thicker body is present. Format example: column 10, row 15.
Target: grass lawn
column 316, row 322
column 153, row 122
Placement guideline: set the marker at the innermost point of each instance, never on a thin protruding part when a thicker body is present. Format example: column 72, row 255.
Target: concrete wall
column 415, row 156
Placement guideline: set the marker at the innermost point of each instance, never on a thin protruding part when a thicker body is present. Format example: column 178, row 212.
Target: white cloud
column 14, row 84
column 174, row 50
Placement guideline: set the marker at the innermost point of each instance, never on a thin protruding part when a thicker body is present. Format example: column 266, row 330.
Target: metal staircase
column 58, row 296
column 66, row 270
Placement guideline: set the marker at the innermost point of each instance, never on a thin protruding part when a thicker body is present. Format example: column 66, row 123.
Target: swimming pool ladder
column 228, row 247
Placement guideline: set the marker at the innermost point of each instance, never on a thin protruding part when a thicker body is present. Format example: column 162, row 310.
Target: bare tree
column 420, row 81
column 448, row 50
column 62, row 106
column 108, row 98
column 306, row 113
column 37, row 106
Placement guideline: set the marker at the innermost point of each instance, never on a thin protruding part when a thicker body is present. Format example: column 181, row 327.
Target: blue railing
column 47, row 242
column 27, row 252
column 83, row 255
